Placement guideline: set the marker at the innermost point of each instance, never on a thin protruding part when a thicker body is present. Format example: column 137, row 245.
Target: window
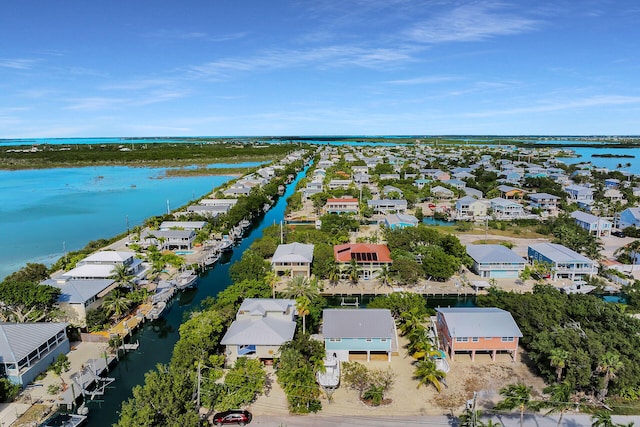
column 507, row 339
column 475, row 339
column 462, row 339
column 383, row 340
column 335, row 339
column 368, row 340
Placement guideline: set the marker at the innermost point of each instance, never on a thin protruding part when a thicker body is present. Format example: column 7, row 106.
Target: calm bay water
column 45, row 212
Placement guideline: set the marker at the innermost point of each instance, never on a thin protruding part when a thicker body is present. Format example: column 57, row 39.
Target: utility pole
column 199, row 380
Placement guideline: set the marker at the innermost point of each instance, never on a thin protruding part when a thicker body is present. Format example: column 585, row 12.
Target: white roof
column 479, row 322
column 261, row 306
column 494, row 254
column 261, row 331
column 91, row 271
column 293, row 252
column 357, row 323
column 78, row 291
column 109, row 256
column 543, row 196
column 586, row 217
column 558, row 253
column 17, row 340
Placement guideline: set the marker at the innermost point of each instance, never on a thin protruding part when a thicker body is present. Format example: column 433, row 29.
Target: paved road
column 568, row 420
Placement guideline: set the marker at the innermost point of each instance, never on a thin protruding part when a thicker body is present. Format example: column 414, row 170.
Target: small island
column 615, row 156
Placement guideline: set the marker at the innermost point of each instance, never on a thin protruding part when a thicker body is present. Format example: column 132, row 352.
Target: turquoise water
column 183, row 252
column 46, row 212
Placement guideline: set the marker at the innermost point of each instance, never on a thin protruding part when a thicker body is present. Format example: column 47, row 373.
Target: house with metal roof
column 77, row 296
column 293, row 259
column 114, row 258
column 565, row 263
column 630, row 217
column 593, row 224
column 370, row 258
column 506, row 209
column 342, row 205
column 27, row 349
column 384, row 206
column 359, row 334
column 182, row 225
column 473, row 330
column 262, row 325
column 168, row 239
column 468, row 207
column 495, row 261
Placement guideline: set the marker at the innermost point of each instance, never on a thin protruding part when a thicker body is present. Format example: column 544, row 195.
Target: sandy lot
column 465, row 377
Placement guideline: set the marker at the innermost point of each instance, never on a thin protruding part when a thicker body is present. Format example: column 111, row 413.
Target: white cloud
column 423, row 80
column 18, row 63
column 471, row 22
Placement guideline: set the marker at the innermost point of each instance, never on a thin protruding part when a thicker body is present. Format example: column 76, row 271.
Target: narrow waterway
column 158, row 338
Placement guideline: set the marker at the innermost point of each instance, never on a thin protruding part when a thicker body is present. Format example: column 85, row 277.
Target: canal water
column 157, row 338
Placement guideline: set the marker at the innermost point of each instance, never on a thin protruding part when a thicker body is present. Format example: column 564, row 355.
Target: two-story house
column 262, row 325
column 565, row 263
column 294, row 259
column 593, row 224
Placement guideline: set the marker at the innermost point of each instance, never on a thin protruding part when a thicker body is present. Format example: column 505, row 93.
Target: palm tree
column 121, row 275
column 559, row 399
column 300, row 286
column 558, row 359
column 428, row 373
column 334, row 273
column 627, row 252
column 384, row 275
column 302, row 306
column 353, row 270
column 516, row 396
column 423, row 348
column 271, row 278
column 411, row 319
column 609, row 365
column 116, row 303
column 602, row 419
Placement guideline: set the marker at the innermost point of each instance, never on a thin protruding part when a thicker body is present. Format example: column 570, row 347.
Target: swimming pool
column 183, row 252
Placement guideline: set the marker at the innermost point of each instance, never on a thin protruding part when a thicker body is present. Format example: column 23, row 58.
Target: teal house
column 359, row 334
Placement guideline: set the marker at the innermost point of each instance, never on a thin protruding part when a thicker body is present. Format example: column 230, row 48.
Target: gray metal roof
column 293, row 252
column 493, row 253
column 543, row 196
column 78, row 291
column 261, row 331
column 261, row 306
column 17, row 340
column 558, row 253
column 479, row 322
column 357, row 323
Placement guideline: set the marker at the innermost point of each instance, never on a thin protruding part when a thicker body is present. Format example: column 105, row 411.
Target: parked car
column 617, row 233
column 239, row 417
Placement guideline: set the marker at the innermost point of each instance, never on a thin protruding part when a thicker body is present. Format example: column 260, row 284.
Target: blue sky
column 78, row 68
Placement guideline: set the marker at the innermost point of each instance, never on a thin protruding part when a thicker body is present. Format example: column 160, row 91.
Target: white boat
column 186, row 279
column 244, row 224
column 66, row 420
column 331, row 376
column 578, row 287
column 225, row 244
column 156, row 310
column 211, row 258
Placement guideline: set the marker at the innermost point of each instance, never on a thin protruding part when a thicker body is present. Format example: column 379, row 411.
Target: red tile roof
column 350, row 200
column 361, row 252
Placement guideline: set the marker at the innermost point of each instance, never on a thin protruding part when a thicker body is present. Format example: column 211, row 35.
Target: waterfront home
column 390, row 190
column 27, row 349
column 369, row 258
column 470, row 208
column 182, row 225
column 565, row 263
column 508, row 192
column 261, row 326
column 342, row 205
column 595, row 225
column 293, row 259
column 207, row 211
column 630, row 217
column 474, row 330
column 385, row 206
column 168, row 239
column 506, row 209
column 114, row 258
column 495, row 261
column 359, row 334
column 545, row 202
column 441, row 193
column 579, row 193
column 77, row 296
column 228, row 203
column 336, row 184
column 612, row 183
column 613, row 194
column 396, row 220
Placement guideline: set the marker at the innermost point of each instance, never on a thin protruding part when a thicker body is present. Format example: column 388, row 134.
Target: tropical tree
column 116, row 303
column 411, row 319
column 428, row 373
column 272, row 280
column 602, row 419
column 300, row 286
column 558, row 359
column 609, row 365
column 516, row 396
column 559, row 400
column 333, row 273
column 27, row 301
column 384, row 275
column 353, row 271
column 302, row 306
column 121, row 275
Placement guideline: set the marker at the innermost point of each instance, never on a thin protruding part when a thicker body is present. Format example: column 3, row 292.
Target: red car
column 232, row 417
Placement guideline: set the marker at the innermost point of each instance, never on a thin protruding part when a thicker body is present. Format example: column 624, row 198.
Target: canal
column 157, row 338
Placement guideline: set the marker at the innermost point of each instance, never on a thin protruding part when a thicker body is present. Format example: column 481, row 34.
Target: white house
column 294, row 258
column 565, row 263
column 593, row 224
